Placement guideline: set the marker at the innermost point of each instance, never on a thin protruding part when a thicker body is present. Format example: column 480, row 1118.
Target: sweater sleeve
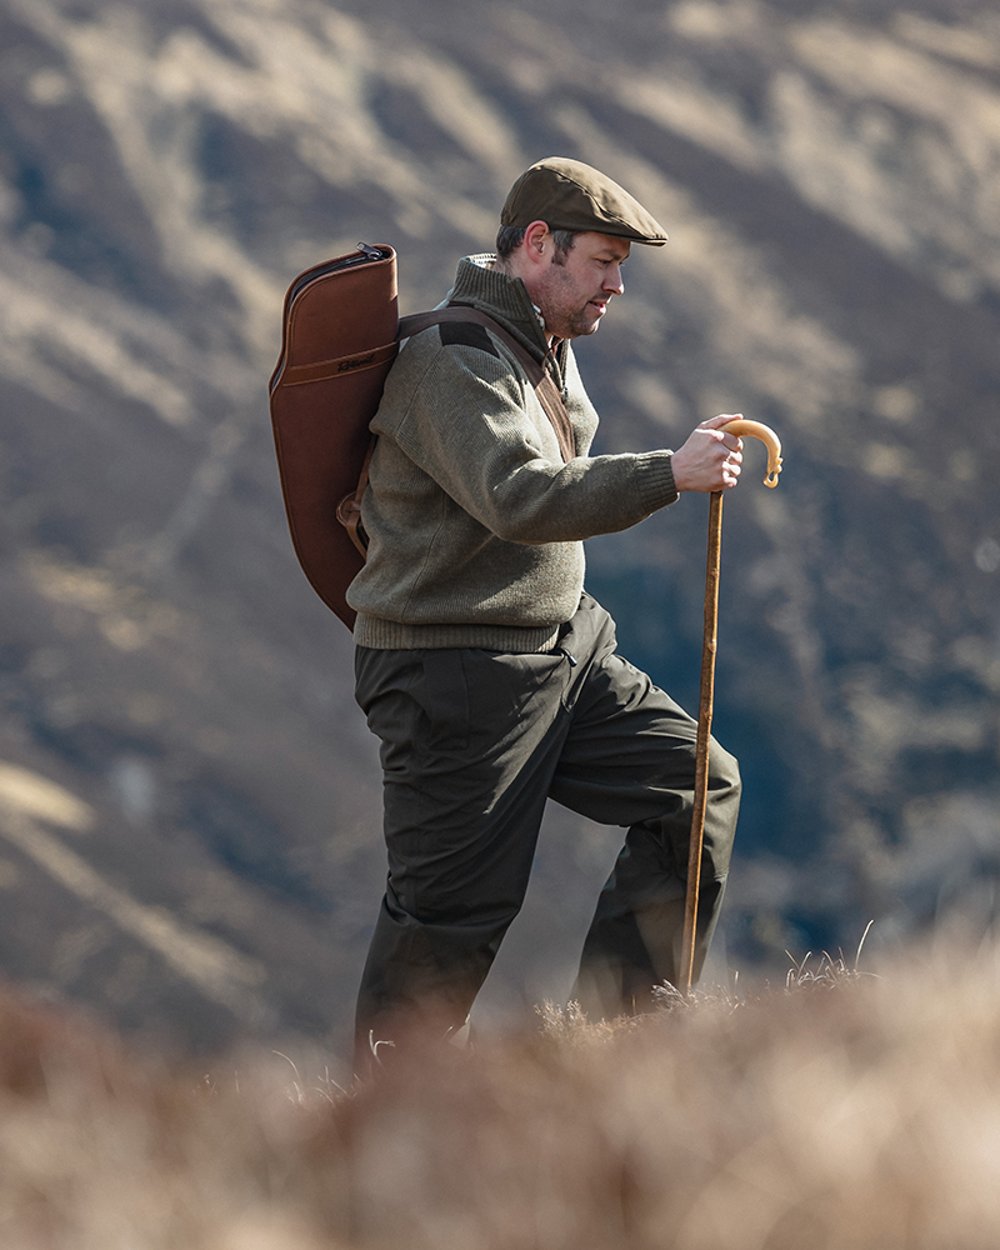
column 474, row 425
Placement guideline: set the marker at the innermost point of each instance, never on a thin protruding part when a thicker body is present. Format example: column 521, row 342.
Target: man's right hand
column 710, row 459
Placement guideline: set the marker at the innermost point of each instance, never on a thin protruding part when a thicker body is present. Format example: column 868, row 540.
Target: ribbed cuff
column 656, row 480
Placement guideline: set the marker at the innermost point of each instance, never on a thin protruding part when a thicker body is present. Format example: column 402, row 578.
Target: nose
column 613, row 282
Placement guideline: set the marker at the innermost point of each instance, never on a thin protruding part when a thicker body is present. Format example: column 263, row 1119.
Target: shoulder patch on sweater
column 466, row 334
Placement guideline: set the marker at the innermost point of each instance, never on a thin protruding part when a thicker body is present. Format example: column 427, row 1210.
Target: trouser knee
column 724, row 771
column 724, row 788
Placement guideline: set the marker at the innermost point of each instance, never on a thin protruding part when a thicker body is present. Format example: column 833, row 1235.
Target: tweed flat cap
column 569, row 195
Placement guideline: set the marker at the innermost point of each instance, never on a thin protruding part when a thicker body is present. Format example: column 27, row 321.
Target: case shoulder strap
column 538, row 376
column 349, row 508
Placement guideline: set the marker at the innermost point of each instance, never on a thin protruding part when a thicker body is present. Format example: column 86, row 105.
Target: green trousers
column 473, row 743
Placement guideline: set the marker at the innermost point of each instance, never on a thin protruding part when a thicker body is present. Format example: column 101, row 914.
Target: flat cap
column 569, row 195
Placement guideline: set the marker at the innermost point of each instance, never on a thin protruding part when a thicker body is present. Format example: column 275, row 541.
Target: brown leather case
column 321, row 405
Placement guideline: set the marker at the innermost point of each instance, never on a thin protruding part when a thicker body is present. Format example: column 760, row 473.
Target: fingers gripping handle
column 757, row 429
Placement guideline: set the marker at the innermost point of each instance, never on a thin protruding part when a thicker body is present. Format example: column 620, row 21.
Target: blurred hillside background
column 189, row 799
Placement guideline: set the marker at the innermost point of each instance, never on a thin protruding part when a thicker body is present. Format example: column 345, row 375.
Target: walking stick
column 754, row 429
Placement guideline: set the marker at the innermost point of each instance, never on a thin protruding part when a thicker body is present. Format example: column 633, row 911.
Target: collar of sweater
column 479, row 285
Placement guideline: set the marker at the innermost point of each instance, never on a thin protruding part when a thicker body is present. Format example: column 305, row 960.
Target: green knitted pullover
column 475, row 522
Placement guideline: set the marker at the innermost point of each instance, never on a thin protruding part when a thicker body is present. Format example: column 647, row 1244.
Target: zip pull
column 370, row 253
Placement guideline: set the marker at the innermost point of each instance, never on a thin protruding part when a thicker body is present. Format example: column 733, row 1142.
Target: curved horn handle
column 757, row 429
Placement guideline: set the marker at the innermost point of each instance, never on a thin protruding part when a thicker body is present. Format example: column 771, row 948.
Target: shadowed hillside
column 189, row 800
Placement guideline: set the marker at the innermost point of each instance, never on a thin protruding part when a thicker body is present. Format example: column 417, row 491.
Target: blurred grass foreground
column 840, row 1110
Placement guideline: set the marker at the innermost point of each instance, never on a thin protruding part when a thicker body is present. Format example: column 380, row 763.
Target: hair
column 510, row 238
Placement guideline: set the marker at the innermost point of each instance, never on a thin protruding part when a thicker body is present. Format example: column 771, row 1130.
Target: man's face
column 574, row 294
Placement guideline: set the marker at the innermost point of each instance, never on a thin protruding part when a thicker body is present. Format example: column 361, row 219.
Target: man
column 489, row 675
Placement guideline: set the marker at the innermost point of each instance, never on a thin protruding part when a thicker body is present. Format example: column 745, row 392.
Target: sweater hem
column 380, row 634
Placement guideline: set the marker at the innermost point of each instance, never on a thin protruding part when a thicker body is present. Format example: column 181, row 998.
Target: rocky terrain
column 189, row 799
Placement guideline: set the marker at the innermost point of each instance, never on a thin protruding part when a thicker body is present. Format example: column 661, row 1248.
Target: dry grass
column 837, row 1110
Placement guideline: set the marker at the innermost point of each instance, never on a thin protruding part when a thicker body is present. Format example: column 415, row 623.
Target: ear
column 538, row 244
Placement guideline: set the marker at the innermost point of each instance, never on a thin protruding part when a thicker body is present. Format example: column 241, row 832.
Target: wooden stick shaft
column 708, row 651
